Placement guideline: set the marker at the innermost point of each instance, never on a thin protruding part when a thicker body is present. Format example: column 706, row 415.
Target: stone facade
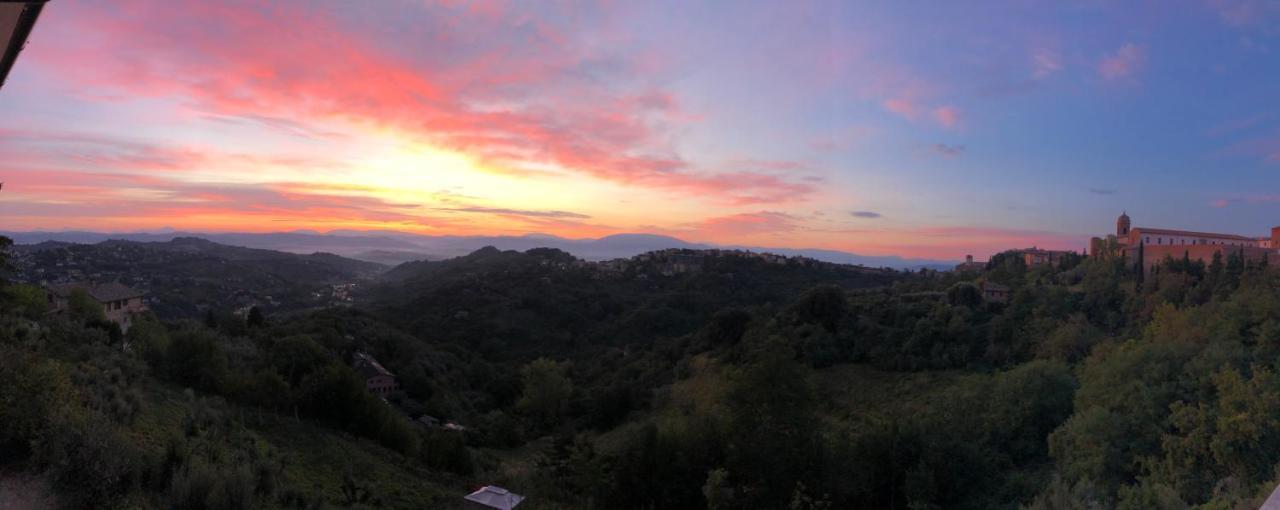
column 1159, row 243
column 119, row 302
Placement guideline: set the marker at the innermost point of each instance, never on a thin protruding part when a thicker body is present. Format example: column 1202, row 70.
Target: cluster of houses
column 1032, row 257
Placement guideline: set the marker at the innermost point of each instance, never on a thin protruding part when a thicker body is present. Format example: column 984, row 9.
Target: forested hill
column 677, row 379
column 186, row 276
column 509, row 304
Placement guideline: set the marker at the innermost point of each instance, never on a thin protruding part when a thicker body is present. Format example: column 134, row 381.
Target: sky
column 914, row 128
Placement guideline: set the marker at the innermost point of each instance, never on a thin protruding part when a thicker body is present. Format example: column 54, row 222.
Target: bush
column 195, row 359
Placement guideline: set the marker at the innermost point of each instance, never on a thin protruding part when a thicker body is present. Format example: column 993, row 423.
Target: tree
column 84, row 308
column 196, row 360
column 33, row 392
column 726, row 327
column 546, row 390
column 255, row 319
column 824, row 305
column 964, row 294
column 773, row 428
column 5, row 244
column 28, row 300
column 1140, row 270
column 297, row 356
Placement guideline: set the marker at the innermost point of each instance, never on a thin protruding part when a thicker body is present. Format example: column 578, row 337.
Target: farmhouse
column 377, row 379
column 119, row 302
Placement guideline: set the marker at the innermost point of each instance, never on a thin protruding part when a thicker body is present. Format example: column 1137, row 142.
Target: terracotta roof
column 102, row 293
column 1187, row 233
column 368, row 367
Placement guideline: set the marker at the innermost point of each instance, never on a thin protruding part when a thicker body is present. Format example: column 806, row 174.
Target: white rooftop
column 495, row 497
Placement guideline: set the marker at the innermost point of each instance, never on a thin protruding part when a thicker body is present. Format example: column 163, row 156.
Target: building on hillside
column 428, row 421
column 490, row 497
column 377, row 379
column 1033, row 256
column 970, row 265
column 994, row 292
column 119, row 302
column 1159, row 243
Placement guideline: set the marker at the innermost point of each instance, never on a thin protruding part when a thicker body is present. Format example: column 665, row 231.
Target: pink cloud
column 1237, row 125
column 947, row 116
column 1125, row 62
column 529, row 94
column 903, row 107
column 1266, row 147
column 1251, row 198
column 1241, row 13
column 1045, row 62
column 747, row 224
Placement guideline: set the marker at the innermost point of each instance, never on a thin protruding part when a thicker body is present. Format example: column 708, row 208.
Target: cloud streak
column 949, row 151
column 516, row 212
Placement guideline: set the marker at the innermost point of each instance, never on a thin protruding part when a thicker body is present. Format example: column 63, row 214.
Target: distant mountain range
column 391, row 248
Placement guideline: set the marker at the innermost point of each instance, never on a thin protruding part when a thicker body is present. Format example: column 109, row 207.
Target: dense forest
column 733, row 382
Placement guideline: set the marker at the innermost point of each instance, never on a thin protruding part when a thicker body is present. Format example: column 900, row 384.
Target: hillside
column 508, row 304
column 674, row 379
column 185, row 277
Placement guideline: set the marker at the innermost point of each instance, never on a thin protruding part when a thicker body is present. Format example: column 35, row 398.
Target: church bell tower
column 1122, row 225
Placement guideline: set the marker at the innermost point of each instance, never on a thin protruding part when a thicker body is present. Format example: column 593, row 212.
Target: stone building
column 994, row 292
column 1033, row 257
column 377, row 379
column 119, row 302
column 1159, row 243
column 970, row 265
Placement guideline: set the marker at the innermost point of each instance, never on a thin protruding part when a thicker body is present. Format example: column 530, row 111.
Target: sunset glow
column 814, row 124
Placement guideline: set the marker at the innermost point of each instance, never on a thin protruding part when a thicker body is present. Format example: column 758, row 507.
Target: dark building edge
column 26, row 21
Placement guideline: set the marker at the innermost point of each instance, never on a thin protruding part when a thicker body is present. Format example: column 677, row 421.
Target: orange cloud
column 514, row 98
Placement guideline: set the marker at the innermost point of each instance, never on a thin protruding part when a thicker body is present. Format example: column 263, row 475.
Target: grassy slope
column 316, row 457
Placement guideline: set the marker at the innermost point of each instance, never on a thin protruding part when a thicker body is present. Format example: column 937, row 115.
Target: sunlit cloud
column 1126, row 61
column 517, row 212
column 947, row 116
column 237, row 64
